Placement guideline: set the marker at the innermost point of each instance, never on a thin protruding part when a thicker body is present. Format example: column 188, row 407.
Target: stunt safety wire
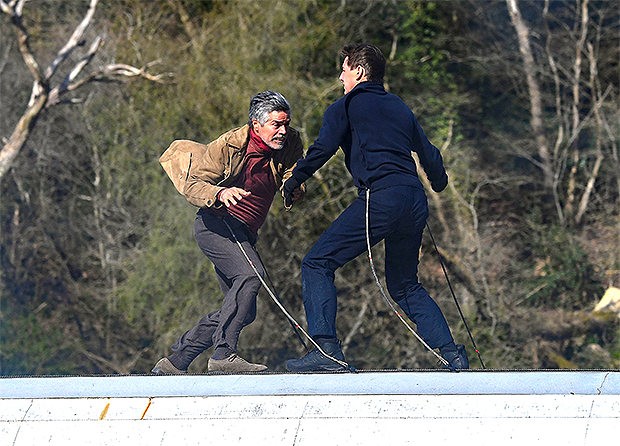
column 279, row 304
column 275, row 292
column 391, row 305
column 445, row 272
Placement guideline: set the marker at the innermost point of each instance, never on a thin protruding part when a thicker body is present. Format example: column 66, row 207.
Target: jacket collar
column 239, row 138
column 376, row 87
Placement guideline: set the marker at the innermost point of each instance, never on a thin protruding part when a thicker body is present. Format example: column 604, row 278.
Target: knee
column 309, row 262
column 313, row 263
column 401, row 291
column 398, row 293
column 249, row 281
column 253, row 280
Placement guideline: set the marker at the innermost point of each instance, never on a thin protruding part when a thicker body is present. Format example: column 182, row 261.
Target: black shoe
column 315, row 361
column 457, row 359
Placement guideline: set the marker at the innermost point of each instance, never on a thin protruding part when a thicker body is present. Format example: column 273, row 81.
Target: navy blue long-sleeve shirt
column 377, row 132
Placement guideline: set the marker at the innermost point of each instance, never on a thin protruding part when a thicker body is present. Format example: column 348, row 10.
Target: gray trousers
column 237, row 280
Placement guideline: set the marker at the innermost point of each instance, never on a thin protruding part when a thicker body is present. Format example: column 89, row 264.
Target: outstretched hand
column 230, row 196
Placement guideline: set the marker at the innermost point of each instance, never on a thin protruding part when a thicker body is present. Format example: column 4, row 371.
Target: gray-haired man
column 234, row 184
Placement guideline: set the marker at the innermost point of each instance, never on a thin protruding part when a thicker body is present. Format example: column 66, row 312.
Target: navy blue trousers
column 398, row 216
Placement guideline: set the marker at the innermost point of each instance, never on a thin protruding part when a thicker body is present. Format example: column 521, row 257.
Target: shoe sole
column 337, row 368
column 223, row 370
column 157, row 370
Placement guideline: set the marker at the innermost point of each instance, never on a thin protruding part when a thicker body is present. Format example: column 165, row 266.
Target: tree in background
column 99, row 268
column 534, row 250
column 44, row 95
column 43, row 193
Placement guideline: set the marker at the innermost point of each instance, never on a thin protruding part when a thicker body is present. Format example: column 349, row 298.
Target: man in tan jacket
column 234, row 182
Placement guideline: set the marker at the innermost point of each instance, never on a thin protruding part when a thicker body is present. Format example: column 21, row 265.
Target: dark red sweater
column 256, row 178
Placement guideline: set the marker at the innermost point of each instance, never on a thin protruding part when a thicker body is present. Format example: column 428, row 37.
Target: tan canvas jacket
column 202, row 171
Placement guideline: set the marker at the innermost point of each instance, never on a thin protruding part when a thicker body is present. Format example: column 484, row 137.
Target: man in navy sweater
column 378, row 133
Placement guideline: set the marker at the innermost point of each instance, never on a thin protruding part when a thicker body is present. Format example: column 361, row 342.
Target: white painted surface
column 379, row 383
column 290, row 413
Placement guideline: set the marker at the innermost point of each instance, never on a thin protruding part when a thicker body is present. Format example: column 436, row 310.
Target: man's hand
column 291, row 191
column 231, row 195
column 292, row 198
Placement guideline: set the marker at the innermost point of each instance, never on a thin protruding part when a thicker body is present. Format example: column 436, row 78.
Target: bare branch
column 73, row 42
column 429, row 190
column 536, row 109
column 5, row 56
column 64, row 85
column 112, row 71
column 24, row 45
column 129, row 71
column 194, row 36
column 360, row 315
column 585, row 198
column 579, row 49
column 100, row 361
column 20, row 6
column 43, row 96
column 9, row 8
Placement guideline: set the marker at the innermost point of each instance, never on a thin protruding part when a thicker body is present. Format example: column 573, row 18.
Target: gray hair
column 266, row 102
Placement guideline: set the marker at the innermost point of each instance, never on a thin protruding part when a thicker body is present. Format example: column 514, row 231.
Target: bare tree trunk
column 558, row 114
column 20, row 134
column 529, row 66
column 599, row 135
column 43, row 95
column 572, row 182
column 579, row 49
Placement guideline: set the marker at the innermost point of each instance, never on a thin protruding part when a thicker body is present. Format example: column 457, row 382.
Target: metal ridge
column 437, row 382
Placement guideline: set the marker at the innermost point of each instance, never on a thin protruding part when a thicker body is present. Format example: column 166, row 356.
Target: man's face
column 349, row 77
column 273, row 132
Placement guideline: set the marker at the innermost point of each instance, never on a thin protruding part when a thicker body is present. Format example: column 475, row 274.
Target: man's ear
column 360, row 74
column 255, row 125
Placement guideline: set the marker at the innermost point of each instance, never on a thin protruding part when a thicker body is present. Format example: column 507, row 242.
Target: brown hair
column 367, row 56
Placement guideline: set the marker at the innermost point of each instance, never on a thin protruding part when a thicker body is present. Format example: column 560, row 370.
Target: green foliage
column 169, row 284
column 33, row 357
column 563, row 273
column 99, row 268
column 424, row 59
